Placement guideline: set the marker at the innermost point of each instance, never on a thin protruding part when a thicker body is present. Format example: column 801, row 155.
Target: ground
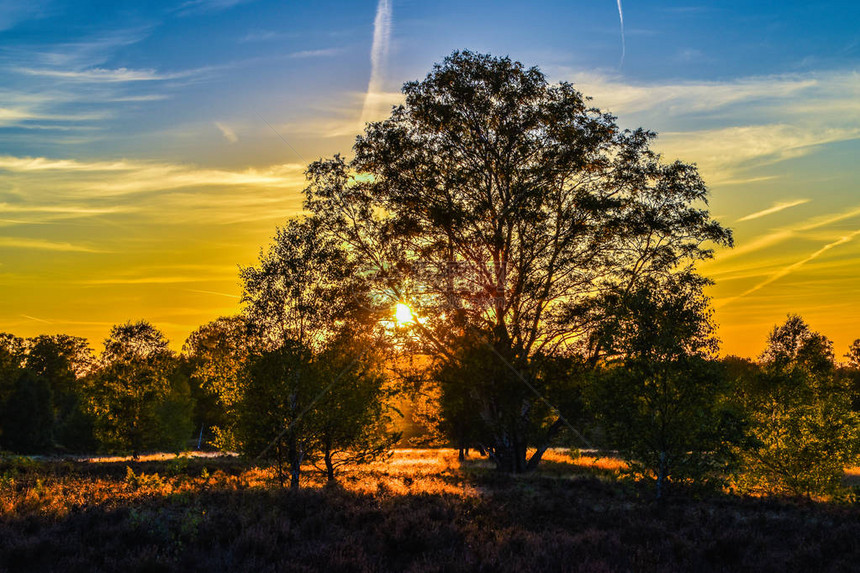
column 419, row 511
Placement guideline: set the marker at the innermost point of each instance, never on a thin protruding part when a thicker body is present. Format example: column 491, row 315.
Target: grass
column 421, row 510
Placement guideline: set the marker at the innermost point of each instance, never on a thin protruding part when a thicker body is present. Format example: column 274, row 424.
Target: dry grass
column 421, row 510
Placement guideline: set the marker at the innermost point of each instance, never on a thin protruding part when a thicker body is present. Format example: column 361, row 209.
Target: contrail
column 621, row 19
column 378, row 58
column 776, row 208
column 792, row 267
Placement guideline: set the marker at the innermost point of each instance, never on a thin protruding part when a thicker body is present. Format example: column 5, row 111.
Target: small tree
column 312, row 391
column 273, row 418
column 64, row 362
column 353, row 419
column 804, row 431
column 217, row 357
column 29, row 416
column 663, row 402
column 12, row 356
column 137, row 400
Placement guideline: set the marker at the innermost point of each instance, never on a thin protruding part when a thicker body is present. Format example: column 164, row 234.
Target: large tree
column 505, row 208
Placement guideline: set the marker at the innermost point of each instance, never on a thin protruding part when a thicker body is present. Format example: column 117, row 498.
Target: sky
column 147, row 150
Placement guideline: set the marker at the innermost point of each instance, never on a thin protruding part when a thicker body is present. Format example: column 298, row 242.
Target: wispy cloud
column 213, row 292
column 378, row 60
column 42, row 245
column 323, row 53
column 227, row 132
column 776, row 208
column 761, row 120
column 787, row 270
column 152, row 192
column 780, row 235
column 192, row 7
column 34, row 319
column 107, row 75
column 13, row 12
column 721, row 153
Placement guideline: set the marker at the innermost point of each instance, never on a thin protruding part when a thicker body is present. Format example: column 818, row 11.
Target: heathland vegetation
column 499, row 267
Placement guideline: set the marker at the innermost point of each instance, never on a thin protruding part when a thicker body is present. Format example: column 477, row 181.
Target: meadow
column 420, row 510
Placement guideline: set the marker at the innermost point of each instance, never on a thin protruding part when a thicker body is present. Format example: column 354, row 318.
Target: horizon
column 147, row 152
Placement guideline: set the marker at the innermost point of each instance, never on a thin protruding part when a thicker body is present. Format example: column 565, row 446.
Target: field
column 421, row 510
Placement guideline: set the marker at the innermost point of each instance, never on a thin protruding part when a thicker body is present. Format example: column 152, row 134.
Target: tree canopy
column 505, row 207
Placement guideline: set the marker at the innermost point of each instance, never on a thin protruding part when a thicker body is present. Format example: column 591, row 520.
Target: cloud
column 42, row 245
column 213, row 292
column 324, row 53
column 106, row 75
column 34, row 319
column 623, row 43
column 776, row 208
column 227, row 132
column 193, row 7
column 720, row 153
column 761, row 120
column 153, row 193
column 13, row 12
column 785, row 271
column 378, row 59
column 783, row 234
column 339, row 119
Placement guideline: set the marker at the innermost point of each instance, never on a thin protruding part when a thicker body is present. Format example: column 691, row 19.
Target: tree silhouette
column 803, row 429
column 313, row 388
column 503, row 207
column 217, row 356
column 138, row 401
column 64, row 362
column 664, row 401
column 12, row 356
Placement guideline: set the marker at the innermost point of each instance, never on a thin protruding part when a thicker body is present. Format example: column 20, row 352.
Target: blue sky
column 141, row 156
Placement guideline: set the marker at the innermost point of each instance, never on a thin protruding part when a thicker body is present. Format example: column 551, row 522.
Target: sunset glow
column 403, row 314
column 147, row 151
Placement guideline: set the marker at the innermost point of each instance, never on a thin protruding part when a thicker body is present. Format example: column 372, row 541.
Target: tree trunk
column 329, row 463
column 280, row 463
column 552, row 432
column 296, row 456
column 661, row 475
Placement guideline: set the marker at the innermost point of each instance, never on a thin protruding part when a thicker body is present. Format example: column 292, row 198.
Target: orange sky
column 145, row 155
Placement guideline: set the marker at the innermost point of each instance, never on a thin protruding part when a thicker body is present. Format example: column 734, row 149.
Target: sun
column 403, row 314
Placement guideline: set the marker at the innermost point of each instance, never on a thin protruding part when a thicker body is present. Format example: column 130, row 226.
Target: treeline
column 230, row 386
column 787, row 423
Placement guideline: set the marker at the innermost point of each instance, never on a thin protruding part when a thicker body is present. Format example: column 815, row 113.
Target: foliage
column 353, row 418
column 28, row 415
column 664, row 402
column 64, row 362
column 12, row 351
column 303, row 290
column 281, row 387
column 314, row 385
column 216, row 357
column 803, row 428
column 503, row 207
column 138, row 401
column 853, row 355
